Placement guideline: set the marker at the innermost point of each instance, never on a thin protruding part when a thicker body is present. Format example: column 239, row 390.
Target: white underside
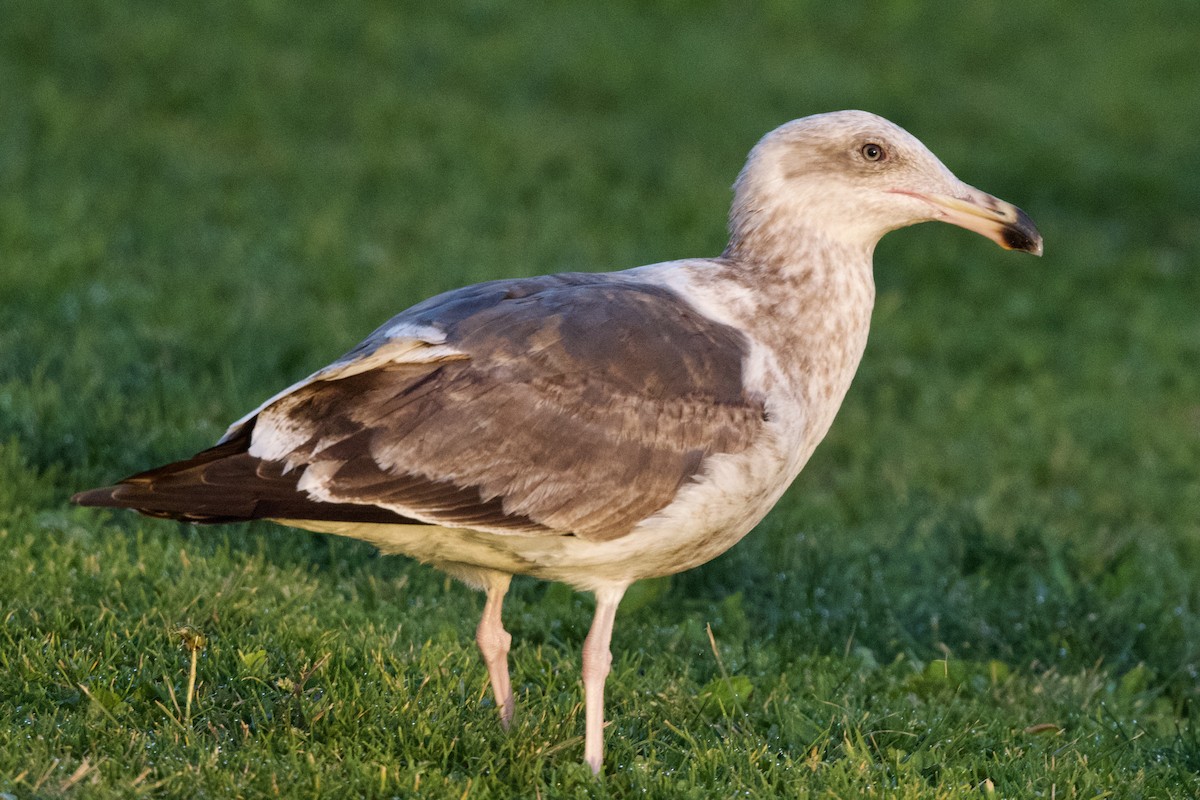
column 706, row 519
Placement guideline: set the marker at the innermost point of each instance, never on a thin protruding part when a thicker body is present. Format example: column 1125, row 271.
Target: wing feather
column 568, row 404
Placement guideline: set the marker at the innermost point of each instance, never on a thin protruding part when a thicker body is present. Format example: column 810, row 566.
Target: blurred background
column 203, row 202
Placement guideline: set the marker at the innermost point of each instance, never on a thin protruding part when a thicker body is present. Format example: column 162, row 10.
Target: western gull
column 595, row 428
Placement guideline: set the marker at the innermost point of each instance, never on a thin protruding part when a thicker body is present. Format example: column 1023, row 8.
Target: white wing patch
column 276, row 435
column 430, row 334
column 393, row 351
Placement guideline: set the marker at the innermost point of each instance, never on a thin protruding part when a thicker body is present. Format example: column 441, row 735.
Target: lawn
column 985, row 583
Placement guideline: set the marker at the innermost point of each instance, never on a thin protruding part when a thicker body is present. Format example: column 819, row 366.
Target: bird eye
column 872, row 152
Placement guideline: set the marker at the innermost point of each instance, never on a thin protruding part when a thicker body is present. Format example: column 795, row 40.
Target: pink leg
column 493, row 642
column 597, row 659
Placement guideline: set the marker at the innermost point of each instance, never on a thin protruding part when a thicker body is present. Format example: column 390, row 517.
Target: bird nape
column 595, row 429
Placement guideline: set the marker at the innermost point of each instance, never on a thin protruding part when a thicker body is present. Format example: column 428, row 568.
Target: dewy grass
column 984, row 582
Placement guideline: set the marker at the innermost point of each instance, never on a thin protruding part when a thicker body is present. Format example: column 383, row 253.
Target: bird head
column 849, row 177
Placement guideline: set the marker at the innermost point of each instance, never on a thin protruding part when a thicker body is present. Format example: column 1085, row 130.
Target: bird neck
column 813, row 299
column 787, row 251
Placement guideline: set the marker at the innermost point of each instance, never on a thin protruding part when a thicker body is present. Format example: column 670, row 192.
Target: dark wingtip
column 1023, row 235
column 103, row 496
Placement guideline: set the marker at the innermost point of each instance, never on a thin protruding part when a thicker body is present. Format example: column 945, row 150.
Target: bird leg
column 597, row 659
column 494, row 642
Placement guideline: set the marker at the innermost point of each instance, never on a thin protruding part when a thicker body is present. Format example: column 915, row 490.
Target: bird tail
column 226, row 483
column 191, row 490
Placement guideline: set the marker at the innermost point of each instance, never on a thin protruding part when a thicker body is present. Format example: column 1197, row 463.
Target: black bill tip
column 1022, row 235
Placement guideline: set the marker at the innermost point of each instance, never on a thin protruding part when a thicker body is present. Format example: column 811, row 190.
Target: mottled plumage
column 595, row 428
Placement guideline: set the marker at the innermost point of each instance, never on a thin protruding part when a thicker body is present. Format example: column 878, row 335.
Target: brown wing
column 567, row 404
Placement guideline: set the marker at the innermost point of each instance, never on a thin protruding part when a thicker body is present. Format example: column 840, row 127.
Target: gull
column 595, row 428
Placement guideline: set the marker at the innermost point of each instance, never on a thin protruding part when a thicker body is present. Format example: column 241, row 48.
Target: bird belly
column 707, row 517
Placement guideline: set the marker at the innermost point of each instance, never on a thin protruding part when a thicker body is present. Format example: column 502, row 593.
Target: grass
column 984, row 584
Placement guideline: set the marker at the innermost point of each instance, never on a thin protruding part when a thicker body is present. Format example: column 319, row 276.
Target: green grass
column 984, row 582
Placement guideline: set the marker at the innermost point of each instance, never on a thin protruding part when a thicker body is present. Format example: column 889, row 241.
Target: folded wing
column 567, row 404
